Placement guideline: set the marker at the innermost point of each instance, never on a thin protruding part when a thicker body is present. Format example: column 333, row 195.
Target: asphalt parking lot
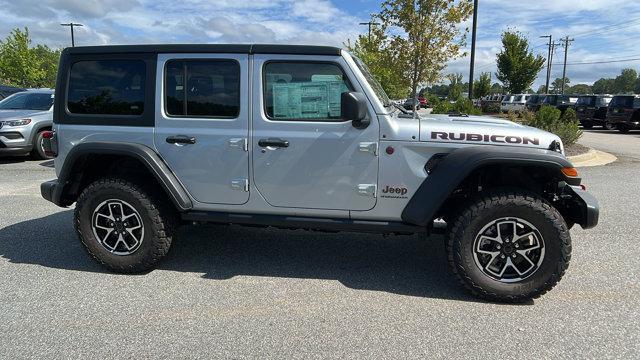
column 227, row 291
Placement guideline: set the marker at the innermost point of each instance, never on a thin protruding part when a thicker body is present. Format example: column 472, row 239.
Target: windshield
column 375, row 85
column 622, row 101
column 586, row 100
column 27, row 101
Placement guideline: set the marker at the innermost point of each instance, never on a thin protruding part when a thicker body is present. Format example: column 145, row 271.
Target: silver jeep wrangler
column 149, row 137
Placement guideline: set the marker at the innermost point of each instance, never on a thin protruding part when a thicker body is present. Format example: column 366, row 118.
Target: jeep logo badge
column 394, row 192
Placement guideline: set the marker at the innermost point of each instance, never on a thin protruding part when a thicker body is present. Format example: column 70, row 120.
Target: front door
column 305, row 155
column 202, row 124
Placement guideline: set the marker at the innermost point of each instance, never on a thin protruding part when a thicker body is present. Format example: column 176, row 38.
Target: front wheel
column 124, row 227
column 38, row 147
column 509, row 247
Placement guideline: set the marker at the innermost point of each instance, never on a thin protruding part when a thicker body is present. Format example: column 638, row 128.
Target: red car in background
column 423, row 102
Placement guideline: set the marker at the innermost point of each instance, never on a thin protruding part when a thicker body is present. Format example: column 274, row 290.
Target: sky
column 604, row 30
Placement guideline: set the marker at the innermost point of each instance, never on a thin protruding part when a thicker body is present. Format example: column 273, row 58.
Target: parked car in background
column 423, row 101
column 561, row 102
column 24, row 117
column 534, row 102
column 506, row 102
column 592, row 110
column 8, row 90
column 519, row 102
column 408, row 104
column 623, row 113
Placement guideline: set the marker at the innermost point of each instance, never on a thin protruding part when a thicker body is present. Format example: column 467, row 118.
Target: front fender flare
column 458, row 164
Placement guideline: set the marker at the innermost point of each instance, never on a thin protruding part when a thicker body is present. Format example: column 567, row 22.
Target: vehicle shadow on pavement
column 407, row 265
column 13, row 159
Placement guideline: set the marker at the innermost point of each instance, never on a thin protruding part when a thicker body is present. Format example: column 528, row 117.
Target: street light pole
column 369, row 24
column 71, row 25
column 473, row 48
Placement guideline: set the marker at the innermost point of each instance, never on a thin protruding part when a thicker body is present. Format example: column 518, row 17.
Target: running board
column 308, row 223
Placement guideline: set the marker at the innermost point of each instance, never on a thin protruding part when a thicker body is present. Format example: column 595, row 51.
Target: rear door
column 202, row 124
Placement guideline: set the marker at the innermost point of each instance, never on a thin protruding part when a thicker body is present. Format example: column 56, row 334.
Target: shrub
column 550, row 119
column 443, row 107
column 463, row 106
column 491, row 107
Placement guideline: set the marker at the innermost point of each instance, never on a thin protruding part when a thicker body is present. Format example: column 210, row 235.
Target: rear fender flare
column 142, row 153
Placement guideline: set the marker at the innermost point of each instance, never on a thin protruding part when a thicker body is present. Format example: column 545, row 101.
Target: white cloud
column 327, row 22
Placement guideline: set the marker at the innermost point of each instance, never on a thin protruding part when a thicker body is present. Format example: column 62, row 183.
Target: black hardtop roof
column 207, row 48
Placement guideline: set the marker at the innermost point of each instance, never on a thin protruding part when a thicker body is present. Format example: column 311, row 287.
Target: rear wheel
column 587, row 125
column 124, row 227
column 509, row 247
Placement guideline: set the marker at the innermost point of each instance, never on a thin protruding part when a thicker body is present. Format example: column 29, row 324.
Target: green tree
column 455, row 86
column 556, row 85
column 429, row 35
column 603, row 86
column 497, row 88
column 625, row 82
column 482, row 87
column 541, row 89
column 581, row 89
column 24, row 66
column 375, row 52
column 517, row 65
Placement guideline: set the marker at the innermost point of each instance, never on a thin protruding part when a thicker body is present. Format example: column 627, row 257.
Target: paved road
column 255, row 293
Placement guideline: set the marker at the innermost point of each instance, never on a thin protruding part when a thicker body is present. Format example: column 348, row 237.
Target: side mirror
column 353, row 106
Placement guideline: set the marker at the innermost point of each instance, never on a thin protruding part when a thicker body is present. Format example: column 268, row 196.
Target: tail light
column 50, row 143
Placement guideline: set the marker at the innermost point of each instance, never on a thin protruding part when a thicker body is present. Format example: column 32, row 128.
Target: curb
column 592, row 158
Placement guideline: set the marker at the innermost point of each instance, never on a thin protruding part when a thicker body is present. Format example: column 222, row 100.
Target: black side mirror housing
column 353, row 106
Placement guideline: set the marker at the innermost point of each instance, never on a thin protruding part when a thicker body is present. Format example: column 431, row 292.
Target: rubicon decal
column 486, row 138
column 396, row 192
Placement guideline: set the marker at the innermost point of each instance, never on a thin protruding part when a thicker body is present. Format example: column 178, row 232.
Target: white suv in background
column 24, row 117
column 505, row 105
column 515, row 103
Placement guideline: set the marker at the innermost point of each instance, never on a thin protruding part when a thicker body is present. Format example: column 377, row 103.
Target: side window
column 202, row 88
column 303, row 90
column 106, row 87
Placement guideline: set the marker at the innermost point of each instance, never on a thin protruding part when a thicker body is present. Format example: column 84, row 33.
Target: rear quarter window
column 106, row 87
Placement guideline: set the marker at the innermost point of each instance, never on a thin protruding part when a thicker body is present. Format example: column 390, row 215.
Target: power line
column 599, row 62
column 600, row 29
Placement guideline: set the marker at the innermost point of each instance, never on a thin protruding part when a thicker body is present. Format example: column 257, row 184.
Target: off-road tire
column 526, row 206
column 158, row 216
column 38, row 152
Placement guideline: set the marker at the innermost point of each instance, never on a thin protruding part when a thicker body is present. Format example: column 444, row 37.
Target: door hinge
column 370, row 147
column 367, row 190
column 240, row 143
column 240, row 184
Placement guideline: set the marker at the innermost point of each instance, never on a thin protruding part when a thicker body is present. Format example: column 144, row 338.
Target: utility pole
column 71, row 25
column 369, row 24
column 567, row 41
column 546, row 87
column 473, row 47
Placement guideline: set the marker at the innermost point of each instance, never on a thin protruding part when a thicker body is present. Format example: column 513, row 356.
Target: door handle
column 274, row 142
column 181, row 139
